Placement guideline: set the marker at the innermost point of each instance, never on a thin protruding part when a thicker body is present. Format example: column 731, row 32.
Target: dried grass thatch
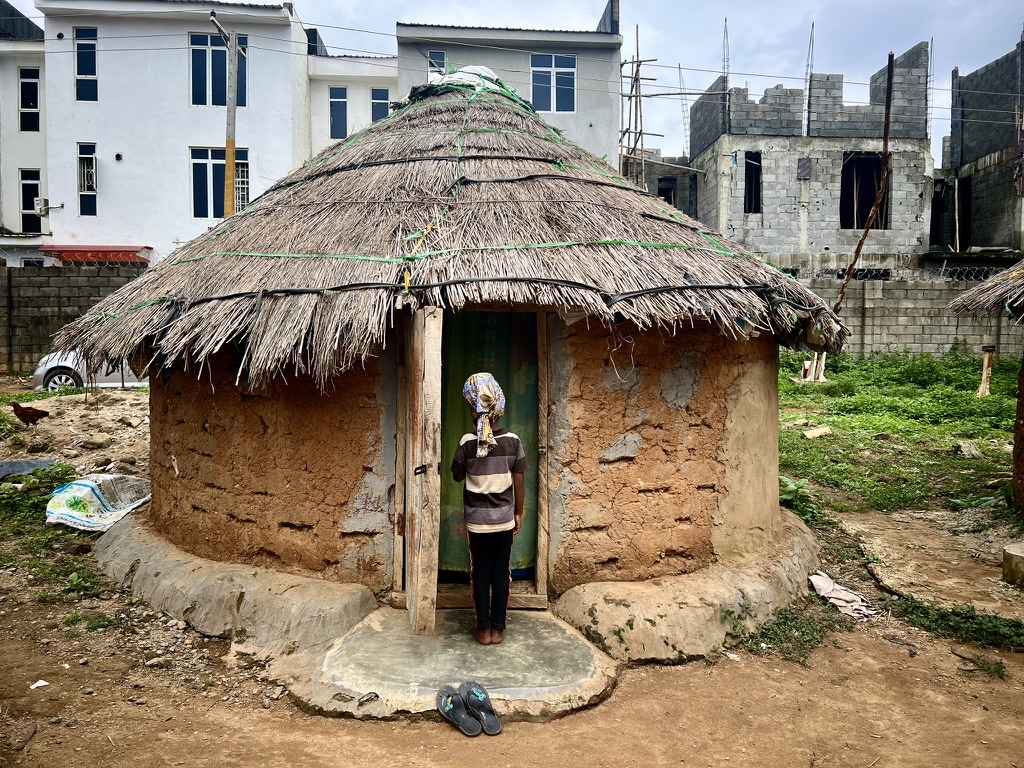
column 1003, row 292
column 460, row 198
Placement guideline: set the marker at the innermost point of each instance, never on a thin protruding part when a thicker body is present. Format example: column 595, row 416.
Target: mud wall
column 641, row 452
column 664, row 451
column 748, row 512
column 285, row 478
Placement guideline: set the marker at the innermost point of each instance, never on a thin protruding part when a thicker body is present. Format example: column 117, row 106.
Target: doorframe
column 418, row 445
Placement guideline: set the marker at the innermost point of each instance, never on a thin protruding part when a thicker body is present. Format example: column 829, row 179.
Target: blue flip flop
column 479, row 704
column 453, row 709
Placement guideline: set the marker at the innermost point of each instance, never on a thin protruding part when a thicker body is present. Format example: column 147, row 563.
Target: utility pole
column 231, row 41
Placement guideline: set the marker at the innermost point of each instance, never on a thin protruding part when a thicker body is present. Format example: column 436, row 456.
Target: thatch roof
column 1003, row 292
column 462, row 197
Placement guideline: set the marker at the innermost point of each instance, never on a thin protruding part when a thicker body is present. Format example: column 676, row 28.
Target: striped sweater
column 488, row 497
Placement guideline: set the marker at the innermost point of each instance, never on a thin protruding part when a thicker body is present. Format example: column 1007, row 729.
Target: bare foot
column 497, row 635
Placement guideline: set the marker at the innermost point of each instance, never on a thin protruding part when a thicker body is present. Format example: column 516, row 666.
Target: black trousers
column 490, row 577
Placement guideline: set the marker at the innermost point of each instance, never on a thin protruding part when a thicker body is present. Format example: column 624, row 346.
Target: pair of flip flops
column 469, row 709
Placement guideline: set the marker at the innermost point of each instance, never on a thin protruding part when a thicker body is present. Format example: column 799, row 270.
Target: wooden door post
column 424, row 507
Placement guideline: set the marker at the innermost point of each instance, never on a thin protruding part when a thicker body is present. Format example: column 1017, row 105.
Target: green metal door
column 505, row 344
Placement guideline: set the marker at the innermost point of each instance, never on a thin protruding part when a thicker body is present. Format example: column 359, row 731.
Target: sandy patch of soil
column 106, row 431
column 951, row 557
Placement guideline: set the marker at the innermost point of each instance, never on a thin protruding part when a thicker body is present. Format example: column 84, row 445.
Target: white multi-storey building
column 22, row 135
column 131, row 99
column 136, row 93
column 571, row 78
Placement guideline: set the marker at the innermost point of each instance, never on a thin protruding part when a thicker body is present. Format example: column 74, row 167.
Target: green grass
column 55, row 555
column 796, row 630
column 962, row 622
column 895, row 421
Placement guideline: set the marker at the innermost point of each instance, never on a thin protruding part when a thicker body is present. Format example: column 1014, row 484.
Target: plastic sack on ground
column 96, row 502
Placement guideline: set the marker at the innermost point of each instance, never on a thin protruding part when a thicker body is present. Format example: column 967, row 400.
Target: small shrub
column 839, row 389
column 796, row 630
column 99, row 622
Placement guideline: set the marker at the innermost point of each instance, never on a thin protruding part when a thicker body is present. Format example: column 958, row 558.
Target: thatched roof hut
column 297, row 352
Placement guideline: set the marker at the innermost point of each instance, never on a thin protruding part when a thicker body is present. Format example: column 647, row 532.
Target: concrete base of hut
column 675, row 618
column 543, row 669
column 339, row 653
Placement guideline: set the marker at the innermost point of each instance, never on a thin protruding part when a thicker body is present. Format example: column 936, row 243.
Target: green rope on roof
column 718, row 246
column 449, row 251
column 113, row 315
column 569, row 244
column 255, row 255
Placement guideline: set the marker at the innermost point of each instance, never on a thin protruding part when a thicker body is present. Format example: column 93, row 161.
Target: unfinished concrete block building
column 983, row 190
column 793, row 175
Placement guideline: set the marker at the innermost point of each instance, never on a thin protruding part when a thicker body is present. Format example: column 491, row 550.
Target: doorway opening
column 504, row 344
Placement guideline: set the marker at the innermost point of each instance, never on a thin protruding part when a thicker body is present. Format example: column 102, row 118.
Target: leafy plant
column 892, row 436
column 796, row 630
column 961, row 622
column 77, row 584
column 797, row 496
column 737, row 631
column 99, row 622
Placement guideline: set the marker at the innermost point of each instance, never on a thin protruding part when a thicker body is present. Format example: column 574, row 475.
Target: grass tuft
column 961, row 622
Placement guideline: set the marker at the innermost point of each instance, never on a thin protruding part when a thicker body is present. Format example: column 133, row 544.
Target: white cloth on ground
column 846, row 600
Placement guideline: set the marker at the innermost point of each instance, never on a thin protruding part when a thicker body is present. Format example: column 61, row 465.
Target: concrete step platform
column 543, row 669
column 339, row 653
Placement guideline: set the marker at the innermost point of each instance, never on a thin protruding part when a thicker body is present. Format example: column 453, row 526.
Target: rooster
column 28, row 416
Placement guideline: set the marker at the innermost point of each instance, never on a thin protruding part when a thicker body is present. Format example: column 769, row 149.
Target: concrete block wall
column 995, row 208
column 983, row 103
column 897, row 316
column 709, row 116
column 666, row 169
column 778, row 113
column 830, row 117
column 36, row 302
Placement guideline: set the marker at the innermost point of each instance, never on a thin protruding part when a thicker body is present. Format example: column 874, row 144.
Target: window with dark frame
column 28, row 99
column 87, row 180
column 437, row 63
column 553, row 82
column 339, row 112
column 752, row 182
column 209, row 70
column 208, row 169
column 86, row 83
column 859, row 183
column 31, row 188
column 380, row 104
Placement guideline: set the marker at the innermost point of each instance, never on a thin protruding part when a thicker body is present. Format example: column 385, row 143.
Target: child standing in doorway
column 493, row 464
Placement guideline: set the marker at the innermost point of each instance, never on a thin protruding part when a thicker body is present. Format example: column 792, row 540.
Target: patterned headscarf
column 487, row 400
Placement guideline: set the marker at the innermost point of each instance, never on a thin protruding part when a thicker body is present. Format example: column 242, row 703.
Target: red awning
column 101, row 255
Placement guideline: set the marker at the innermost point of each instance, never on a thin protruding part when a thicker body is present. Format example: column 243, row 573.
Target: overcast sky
column 768, row 39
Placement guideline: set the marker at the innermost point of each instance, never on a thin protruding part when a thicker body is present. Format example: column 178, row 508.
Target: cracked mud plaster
column 285, row 478
column 650, row 512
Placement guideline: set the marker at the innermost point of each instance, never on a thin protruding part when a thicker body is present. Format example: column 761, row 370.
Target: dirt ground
column 147, row 691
